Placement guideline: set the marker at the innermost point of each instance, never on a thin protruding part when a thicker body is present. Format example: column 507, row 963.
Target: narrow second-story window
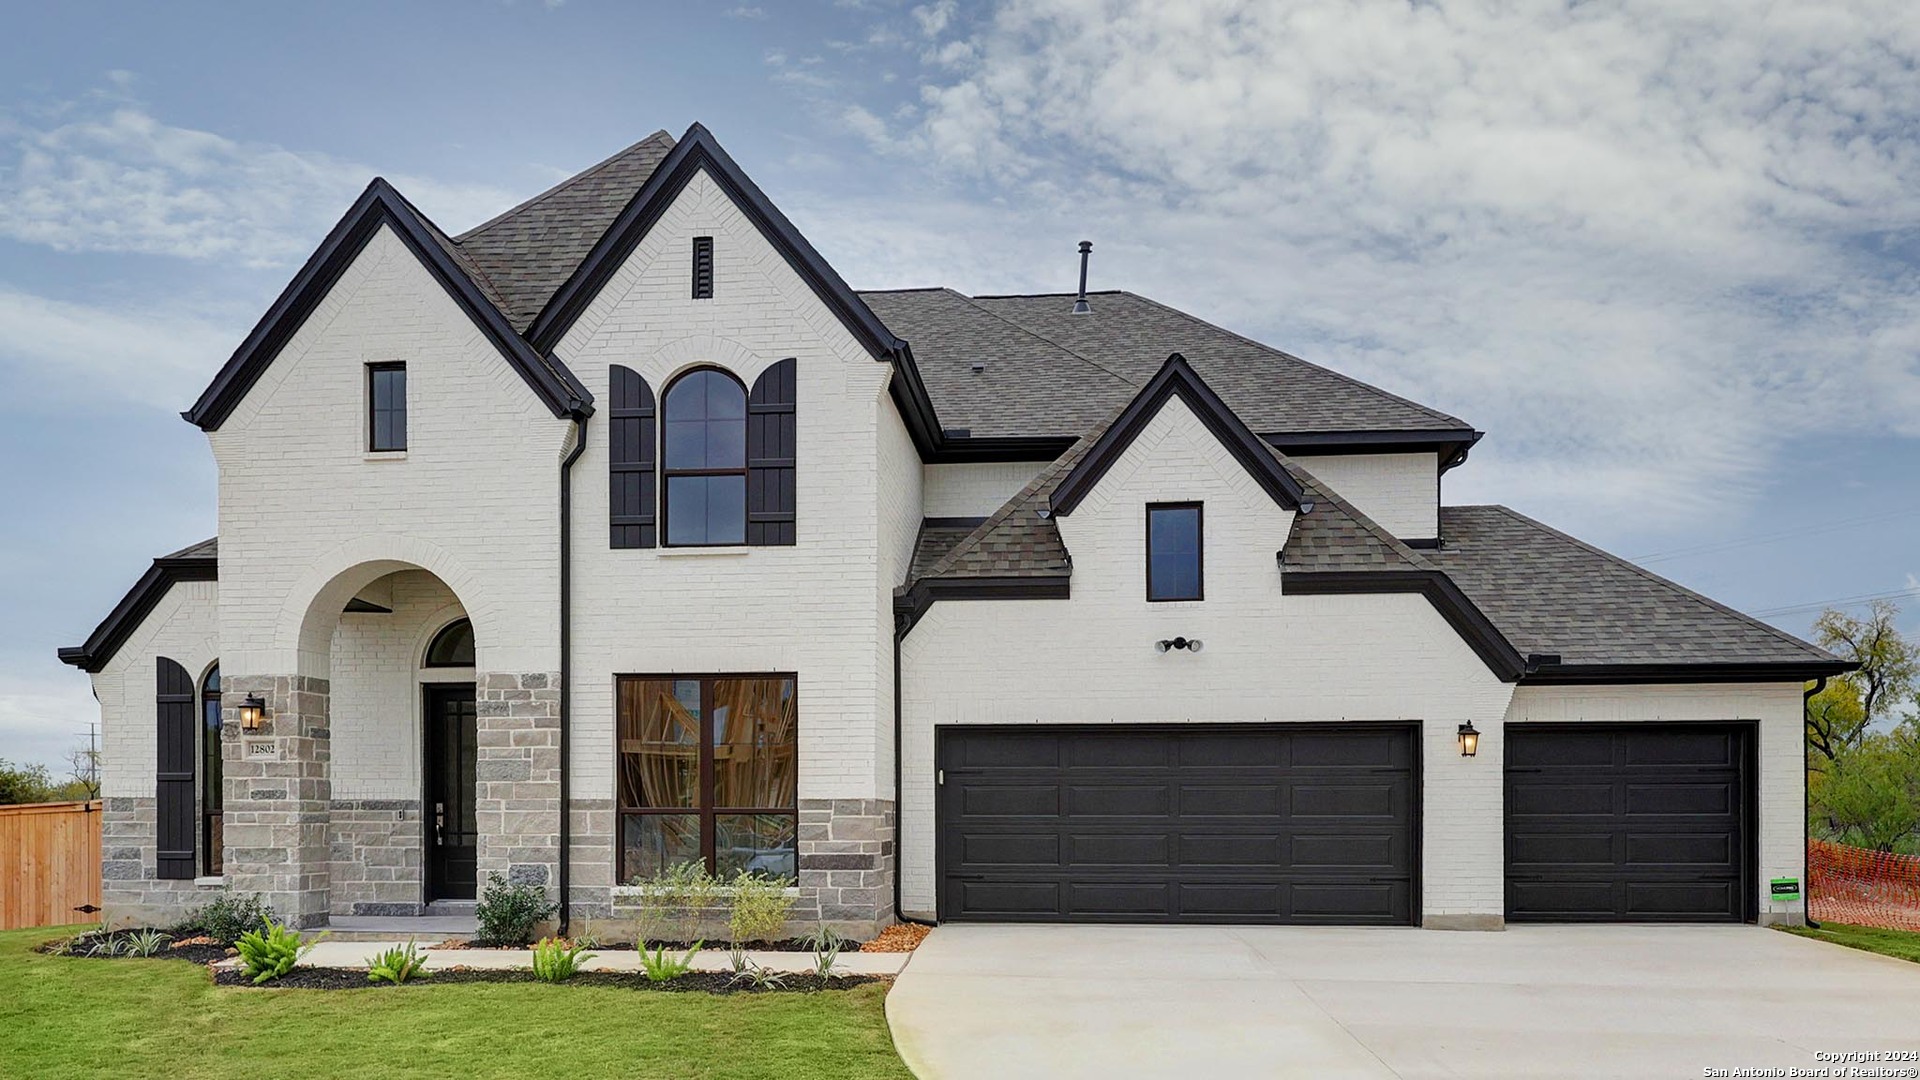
column 212, row 835
column 703, row 268
column 386, row 407
column 706, row 459
column 1174, row 552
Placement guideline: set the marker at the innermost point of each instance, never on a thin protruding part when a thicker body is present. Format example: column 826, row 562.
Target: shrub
column 660, row 966
column 144, row 943
column 508, row 913
column 758, row 977
column 760, row 907
column 827, row 944
column 675, row 899
column 554, row 961
column 228, row 917
column 396, row 965
column 264, row 957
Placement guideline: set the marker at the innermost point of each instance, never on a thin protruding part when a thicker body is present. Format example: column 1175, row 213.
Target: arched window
column 706, row 459
column 212, row 836
column 452, row 646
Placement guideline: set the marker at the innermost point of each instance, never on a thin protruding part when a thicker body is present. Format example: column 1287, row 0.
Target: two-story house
column 620, row 531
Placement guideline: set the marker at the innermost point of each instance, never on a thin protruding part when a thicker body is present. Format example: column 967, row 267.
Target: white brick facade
column 1399, row 491
column 975, row 489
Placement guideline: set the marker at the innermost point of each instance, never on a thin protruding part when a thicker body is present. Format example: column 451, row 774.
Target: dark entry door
column 1629, row 823
column 453, row 852
column 1268, row 824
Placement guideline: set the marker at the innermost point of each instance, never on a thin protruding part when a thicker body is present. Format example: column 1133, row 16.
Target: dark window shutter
column 770, row 456
column 703, row 268
column 178, row 712
column 630, row 474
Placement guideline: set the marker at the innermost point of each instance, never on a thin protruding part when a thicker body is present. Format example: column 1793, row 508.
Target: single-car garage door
column 1267, row 823
column 1629, row 823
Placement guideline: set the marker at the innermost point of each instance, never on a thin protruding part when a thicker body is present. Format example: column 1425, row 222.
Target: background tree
column 83, row 772
column 1839, row 716
column 25, row 783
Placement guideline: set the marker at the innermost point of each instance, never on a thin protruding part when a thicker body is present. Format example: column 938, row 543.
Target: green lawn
column 1904, row 944
column 74, row 1017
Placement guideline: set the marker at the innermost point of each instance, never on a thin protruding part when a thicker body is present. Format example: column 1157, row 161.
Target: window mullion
column 707, row 824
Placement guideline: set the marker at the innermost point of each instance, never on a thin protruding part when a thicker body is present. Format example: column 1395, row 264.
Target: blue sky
column 1668, row 259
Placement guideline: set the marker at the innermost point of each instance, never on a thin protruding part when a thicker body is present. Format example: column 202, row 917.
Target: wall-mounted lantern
column 1469, row 740
column 253, row 711
column 1189, row 644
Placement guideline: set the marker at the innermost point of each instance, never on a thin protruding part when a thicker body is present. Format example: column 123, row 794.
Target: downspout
column 566, row 668
column 900, row 628
column 1806, row 799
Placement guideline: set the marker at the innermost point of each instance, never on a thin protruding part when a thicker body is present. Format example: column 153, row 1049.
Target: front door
column 452, row 836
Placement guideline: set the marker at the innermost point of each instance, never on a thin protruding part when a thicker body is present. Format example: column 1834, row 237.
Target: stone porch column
column 277, row 789
column 517, row 775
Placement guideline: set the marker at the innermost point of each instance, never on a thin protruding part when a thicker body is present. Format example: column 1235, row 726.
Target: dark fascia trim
column 1591, row 674
column 1474, row 628
column 379, row 204
column 952, row 451
column 698, row 149
column 134, row 607
column 1450, row 445
column 952, row 522
column 911, row 603
column 1177, row 377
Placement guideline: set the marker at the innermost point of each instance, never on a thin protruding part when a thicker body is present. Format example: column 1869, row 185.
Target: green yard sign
column 1786, row 888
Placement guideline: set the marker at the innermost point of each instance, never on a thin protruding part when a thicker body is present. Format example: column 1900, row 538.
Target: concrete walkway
column 354, row 954
column 1206, row 1003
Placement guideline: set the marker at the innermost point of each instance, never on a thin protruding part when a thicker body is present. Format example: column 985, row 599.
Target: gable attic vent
column 1080, row 306
column 703, row 268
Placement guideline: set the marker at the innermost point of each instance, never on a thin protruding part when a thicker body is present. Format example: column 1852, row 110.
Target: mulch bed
column 198, row 950
column 900, row 937
column 797, row 945
column 710, row 982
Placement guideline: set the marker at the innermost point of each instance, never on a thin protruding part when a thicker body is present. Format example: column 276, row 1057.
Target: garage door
column 1629, row 823
column 1272, row 824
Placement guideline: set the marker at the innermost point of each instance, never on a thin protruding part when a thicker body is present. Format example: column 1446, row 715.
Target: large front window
column 708, row 772
column 706, row 459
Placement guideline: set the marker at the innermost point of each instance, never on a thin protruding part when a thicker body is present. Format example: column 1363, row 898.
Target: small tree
column 1870, row 796
column 83, row 771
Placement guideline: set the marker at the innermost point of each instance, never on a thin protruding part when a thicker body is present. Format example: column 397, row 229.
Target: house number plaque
column 262, row 750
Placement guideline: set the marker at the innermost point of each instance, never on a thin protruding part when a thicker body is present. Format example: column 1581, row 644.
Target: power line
column 1768, row 538
column 1844, row 601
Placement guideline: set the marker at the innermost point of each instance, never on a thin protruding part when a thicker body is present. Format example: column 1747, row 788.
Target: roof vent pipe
column 1080, row 306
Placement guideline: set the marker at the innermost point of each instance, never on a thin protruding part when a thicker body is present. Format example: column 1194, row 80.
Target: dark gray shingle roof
column 1549, row 593
column 1103, row 358
column 527, row 253
column 1337, row 536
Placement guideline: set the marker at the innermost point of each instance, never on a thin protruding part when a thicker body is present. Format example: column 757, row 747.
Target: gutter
column 1806, row 800
column 566, row 668
column 901, row 625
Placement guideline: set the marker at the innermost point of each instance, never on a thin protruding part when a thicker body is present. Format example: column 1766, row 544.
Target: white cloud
column 1637, row 242
column 53, row 349
column 754, row 14
column 115, row 178
column 43, row 718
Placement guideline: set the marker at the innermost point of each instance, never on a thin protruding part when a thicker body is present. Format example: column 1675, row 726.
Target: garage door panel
column 1011, row 801
column 1259, row 838
column 1713, row 850
column 1230, row 800
column 1023, row 750
column 1011, row 849
column 1540, row 797
column 1097, row 850
column 1717, row 798
column 1119, row 800
column 1313, row 799
column 1670, row 841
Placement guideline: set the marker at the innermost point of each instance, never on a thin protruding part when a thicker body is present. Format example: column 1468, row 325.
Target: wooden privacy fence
column 49, row 863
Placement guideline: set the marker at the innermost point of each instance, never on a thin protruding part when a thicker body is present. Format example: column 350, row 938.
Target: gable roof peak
column 1176, row 378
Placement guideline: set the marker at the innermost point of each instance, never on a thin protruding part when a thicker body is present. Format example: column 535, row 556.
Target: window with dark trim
column 1175, row 563
column 708, row 771
column 452, row 646
column 703, row 268
column 705, row 458
column 212, row 836
column 386, row 407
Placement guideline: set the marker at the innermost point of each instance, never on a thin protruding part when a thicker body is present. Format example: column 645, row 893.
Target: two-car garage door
column 1251, row 823
column 1320, row 823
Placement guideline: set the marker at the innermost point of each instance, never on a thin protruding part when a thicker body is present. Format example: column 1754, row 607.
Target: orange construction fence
column 1862, row 887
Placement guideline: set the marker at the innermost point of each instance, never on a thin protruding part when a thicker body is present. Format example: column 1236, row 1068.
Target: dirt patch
column 709, row 982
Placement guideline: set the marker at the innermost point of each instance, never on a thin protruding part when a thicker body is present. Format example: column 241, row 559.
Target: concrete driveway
column 1224, row 1003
